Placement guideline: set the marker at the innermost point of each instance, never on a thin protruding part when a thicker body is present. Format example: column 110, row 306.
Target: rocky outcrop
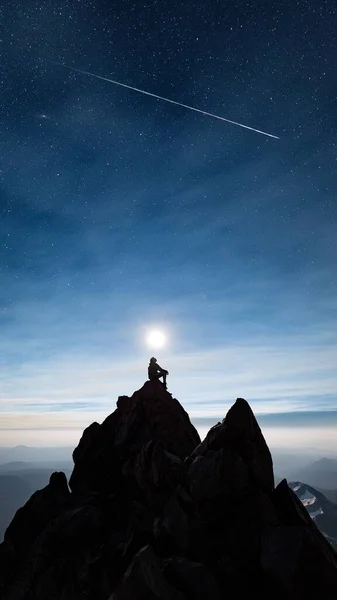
column 154, row 513
column 239, row 432
column 151, row 414
column 296, row 553
column 29, row 523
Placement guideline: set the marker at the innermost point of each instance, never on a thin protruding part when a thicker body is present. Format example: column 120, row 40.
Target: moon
column 156, row 339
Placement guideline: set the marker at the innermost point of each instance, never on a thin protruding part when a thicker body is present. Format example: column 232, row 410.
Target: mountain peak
column 149, row 414
column 153, row 512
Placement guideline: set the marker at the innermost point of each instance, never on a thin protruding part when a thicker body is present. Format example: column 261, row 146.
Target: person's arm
column 161, row 370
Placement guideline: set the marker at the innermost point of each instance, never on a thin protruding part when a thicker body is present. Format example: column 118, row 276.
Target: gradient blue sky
column 121, row 213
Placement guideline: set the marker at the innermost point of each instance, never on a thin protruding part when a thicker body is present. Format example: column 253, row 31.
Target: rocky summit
column 153, row 513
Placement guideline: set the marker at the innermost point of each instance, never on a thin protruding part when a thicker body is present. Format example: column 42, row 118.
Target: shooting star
column 203, row 112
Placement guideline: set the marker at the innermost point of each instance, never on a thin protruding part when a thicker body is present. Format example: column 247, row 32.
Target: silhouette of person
column 155, row 371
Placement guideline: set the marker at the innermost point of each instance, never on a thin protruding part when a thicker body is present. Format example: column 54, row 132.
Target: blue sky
column 121, row 213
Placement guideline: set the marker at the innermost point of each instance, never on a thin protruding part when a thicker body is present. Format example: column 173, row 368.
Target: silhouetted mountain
column 13, row 493
column 320, row 474
column 153, row 513
column 18, row 481
column 321, row 510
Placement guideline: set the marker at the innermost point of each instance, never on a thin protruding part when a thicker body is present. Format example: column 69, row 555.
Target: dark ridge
column 154, row 513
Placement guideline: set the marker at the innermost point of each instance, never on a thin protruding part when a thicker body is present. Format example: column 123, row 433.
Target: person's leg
column 155, row 376
column 158, row 376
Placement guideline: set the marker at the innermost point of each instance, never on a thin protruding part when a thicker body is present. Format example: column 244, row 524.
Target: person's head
column 153, row 359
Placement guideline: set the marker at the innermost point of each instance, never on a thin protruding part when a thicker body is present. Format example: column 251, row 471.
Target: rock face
column 150, row 414
column 153, row 513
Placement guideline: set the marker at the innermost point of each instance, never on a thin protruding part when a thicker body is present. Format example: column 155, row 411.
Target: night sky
column 121, row 213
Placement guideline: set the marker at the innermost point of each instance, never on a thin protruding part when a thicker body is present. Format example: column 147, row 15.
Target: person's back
column 152, row 369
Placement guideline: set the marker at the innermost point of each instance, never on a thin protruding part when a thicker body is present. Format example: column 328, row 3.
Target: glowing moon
column 156, row 339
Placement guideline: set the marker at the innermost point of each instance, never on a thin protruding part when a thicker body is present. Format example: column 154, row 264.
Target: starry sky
column 121, row 213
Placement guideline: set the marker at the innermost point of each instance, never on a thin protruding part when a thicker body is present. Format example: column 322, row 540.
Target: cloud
column 67, row 391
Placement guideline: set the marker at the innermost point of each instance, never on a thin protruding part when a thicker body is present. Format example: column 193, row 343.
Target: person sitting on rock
column 155, row 371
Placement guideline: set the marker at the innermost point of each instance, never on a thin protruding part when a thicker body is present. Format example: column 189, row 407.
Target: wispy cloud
column 68, row 391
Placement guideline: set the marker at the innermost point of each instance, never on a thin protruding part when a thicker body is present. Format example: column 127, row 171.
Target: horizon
column 302, row 431
column 88, row 392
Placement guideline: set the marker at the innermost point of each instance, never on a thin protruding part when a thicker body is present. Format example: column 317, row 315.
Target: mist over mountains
column 27, row 454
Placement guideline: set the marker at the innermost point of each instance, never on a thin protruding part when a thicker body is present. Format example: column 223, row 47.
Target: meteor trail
column 203, row 112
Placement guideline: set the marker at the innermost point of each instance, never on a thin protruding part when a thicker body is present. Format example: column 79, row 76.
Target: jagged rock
column 156, row 472
column 155, row 514
column 150, row 414
column 71, row 557
column 227, row 504
column 86, row 441
column 219, row 474
column 144, row 580
column 241, row 432
column 321, row 510
column 29, row 522
column 296, row 553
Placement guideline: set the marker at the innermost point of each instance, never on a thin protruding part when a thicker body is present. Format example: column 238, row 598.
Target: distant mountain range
column 330, row 495
column 31, row 454
column 321, row 474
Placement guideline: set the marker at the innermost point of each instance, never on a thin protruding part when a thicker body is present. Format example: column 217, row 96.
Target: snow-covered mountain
column 321, row 510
